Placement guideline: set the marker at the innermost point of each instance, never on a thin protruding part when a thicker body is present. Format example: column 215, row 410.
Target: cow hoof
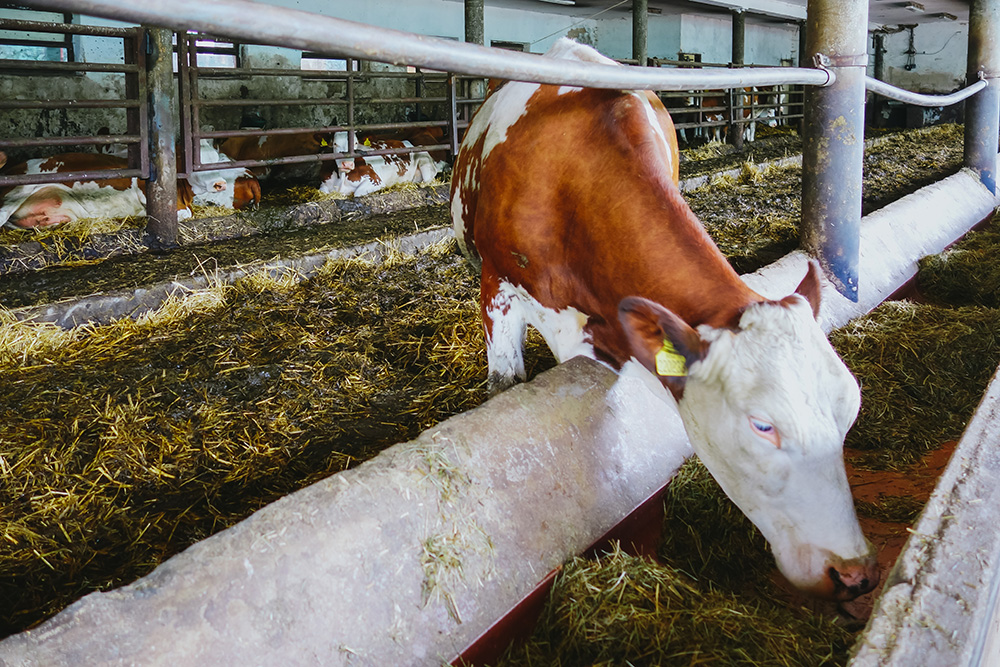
column 497, row 383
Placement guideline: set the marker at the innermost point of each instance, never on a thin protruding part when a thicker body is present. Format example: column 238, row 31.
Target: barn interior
column 291, row 374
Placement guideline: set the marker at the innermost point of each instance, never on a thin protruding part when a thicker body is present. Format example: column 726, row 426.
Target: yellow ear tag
column 323, row 142
column 670, row 363
column 368, row 141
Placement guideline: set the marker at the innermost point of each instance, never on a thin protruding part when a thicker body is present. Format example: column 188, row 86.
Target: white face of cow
column 766, row 407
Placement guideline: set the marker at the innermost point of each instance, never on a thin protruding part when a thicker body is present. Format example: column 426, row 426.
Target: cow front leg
column 504, row 326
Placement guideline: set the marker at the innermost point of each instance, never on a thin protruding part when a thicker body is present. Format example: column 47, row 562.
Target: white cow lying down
column 368, row 174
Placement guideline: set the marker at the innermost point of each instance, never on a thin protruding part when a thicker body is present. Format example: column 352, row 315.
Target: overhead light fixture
column 654, row 10
column 914, row 7
column 560, row 2
column 945, row 16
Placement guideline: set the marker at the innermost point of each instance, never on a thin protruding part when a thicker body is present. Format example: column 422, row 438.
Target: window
column 213, row 52
column 510, row 46
column 320, row 63
column 44, row 46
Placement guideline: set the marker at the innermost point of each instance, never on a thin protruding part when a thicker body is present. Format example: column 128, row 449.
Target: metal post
column 640, row 31
column 161, row 188
column 982, row 111
column 736, row 97
column 833, row 142
column 877, row 102
column 805, row 60
column 475, row 33
column 474, row 22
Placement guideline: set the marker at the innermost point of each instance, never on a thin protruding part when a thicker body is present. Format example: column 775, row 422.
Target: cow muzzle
column 846, row 580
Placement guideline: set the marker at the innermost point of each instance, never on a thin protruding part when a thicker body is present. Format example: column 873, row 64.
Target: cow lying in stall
column 348, row 176
column 235, row 188
column 367, row 174
column 48, row 204
column 628, row 273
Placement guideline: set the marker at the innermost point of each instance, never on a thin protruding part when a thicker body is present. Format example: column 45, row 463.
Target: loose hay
column 623, row 610
column 124, row 444
column 967, row 274
column 923, row 370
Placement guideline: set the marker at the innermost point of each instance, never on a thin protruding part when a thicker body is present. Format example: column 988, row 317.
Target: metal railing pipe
column 919, row 99
column 291, row 28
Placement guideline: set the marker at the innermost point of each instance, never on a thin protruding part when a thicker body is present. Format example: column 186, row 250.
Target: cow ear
column 661, row 341
column 811, row 287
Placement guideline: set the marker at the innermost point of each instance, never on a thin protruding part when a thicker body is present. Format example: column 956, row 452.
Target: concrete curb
column 33, row 255
column 109, row 306
column 404, row 560
column 893, row 239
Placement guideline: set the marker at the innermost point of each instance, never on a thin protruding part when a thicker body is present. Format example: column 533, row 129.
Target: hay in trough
column 923, row 370
column 623, row 610
column 900, row 163
column 124, row 444
column 967, row 274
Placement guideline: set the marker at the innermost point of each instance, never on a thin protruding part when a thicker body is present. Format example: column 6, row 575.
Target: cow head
column 766, row 407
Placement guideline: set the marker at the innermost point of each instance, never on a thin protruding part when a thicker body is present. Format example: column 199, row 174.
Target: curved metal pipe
column 280, row 26
column 920, row 100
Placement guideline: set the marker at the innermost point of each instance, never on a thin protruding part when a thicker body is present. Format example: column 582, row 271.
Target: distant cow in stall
column 231, row 188
column 274, row 147
column 714, row 111
column 47, row 204
column 624, row 272
column 369, row 173
column 235, row 187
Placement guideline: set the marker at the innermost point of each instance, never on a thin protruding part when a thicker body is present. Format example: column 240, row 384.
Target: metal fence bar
column 69, row 177
column 292, row 28
column 919, row 99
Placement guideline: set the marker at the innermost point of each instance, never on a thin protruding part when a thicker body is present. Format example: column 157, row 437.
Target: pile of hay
column 967, row 274
column 900, row 163
column 124, row 444
column 709, row 601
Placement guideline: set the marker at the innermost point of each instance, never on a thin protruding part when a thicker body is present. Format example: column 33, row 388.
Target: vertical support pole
column 161, row 188
column 982, row 110
column 351, row 134
column 833, row 143
column 453, row 113
column 877, row 102
column 736, row 96
column 475, row 33
column 798, row 98
column 640, row 32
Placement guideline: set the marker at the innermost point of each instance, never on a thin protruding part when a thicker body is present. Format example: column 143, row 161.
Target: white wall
column 940, row 59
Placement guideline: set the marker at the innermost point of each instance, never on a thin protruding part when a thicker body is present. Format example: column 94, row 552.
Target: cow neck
column 685, row 271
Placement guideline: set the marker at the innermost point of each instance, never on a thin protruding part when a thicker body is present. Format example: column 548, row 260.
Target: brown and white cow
column 273, row 147
column 236, row 188
column 47, row 204
column 628, row 271
column 369, row 173
column 714, row 111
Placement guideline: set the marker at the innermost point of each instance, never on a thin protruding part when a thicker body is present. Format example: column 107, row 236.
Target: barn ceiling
column 880, row 12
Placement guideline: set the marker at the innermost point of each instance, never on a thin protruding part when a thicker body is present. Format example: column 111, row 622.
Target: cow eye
column 766, row 430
